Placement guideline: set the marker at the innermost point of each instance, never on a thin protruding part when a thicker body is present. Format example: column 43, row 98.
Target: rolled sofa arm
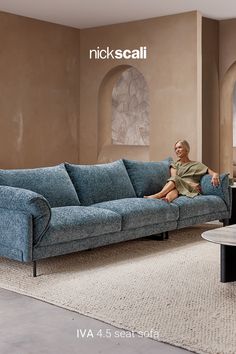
column 26, row 202
column 223, row 191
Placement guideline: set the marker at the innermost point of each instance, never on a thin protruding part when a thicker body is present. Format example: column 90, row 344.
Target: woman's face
column 180, row 150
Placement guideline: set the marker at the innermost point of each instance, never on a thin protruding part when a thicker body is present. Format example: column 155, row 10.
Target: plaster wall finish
column 234, row 116
column 172, row 71
column 227, row 49
column 39, row 85
column 210, row 94
column 227, row 60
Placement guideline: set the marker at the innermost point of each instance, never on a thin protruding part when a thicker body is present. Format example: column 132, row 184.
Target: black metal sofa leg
column 166, row 235
column 34, row 269
column 225, row 222
column 159, row 237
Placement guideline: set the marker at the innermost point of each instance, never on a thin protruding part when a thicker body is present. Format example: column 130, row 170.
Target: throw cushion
column 148, row 177
column 100, row 183
column 51, row 182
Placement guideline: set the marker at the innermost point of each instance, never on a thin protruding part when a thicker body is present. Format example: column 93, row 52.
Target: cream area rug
column 167, row 287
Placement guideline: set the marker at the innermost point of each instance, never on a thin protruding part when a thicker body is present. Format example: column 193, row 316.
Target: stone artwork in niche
column 130, row 109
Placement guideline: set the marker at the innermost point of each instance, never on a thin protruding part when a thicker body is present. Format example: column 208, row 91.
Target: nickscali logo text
column 107, row 53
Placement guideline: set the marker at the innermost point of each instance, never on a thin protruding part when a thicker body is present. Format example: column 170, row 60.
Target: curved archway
column 226, row 120
column 107, row 151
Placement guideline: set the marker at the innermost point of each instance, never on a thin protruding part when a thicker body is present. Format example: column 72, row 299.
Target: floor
column 30, row 326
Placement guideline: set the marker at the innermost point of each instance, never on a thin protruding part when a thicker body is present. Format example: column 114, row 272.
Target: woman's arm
column 215, row 177
column 173, row 171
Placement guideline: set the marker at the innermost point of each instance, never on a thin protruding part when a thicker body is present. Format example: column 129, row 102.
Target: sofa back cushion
column 52, row 182
column 100, row 183
column 148, row 177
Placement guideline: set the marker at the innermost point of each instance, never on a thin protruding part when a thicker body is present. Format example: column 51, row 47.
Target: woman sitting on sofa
column 185, row 175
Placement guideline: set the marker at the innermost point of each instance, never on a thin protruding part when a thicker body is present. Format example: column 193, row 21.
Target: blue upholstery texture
column 199, row 205
column 66, row 208
column 138, row 212
column 16, row 234
column 101, row 240
column 29, row 203
column 51, row 182
column 13, row 253
column 221, row 191
column 196, row 220
column 99, row 183
column 75, row 223
column 148, row 177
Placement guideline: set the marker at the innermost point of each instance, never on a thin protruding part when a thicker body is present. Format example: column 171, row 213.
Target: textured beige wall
column 43, row 66
column 227, row 60
column 227, row 50
column 39, row 85
column 173, row 74
column 210, row 93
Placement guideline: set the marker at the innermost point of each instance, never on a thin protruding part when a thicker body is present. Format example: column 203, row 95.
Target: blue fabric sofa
column 52, row 211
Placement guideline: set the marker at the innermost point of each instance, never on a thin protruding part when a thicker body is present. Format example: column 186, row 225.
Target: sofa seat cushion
column 199, row 205
column 138, row 212
column 148, row 177
column 51, row 182
column 73, row 223
column 99, row 183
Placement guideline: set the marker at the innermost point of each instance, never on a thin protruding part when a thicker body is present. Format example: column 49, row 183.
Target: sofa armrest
column 222, row 191
column 29, row 203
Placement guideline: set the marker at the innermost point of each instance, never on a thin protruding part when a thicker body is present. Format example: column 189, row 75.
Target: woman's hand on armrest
column 215, row 180
column 223, row 190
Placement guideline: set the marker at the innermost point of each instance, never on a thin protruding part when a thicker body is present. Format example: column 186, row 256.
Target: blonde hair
column 184, row 143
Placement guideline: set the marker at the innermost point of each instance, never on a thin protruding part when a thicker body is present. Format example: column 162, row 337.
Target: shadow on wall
column 226, row 120
column 123, row 116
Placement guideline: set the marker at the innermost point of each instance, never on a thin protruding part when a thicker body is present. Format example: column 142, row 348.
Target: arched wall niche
column 226, row 120
column 107, row 151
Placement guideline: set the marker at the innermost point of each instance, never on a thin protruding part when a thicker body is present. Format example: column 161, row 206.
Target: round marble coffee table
column 226, row 237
